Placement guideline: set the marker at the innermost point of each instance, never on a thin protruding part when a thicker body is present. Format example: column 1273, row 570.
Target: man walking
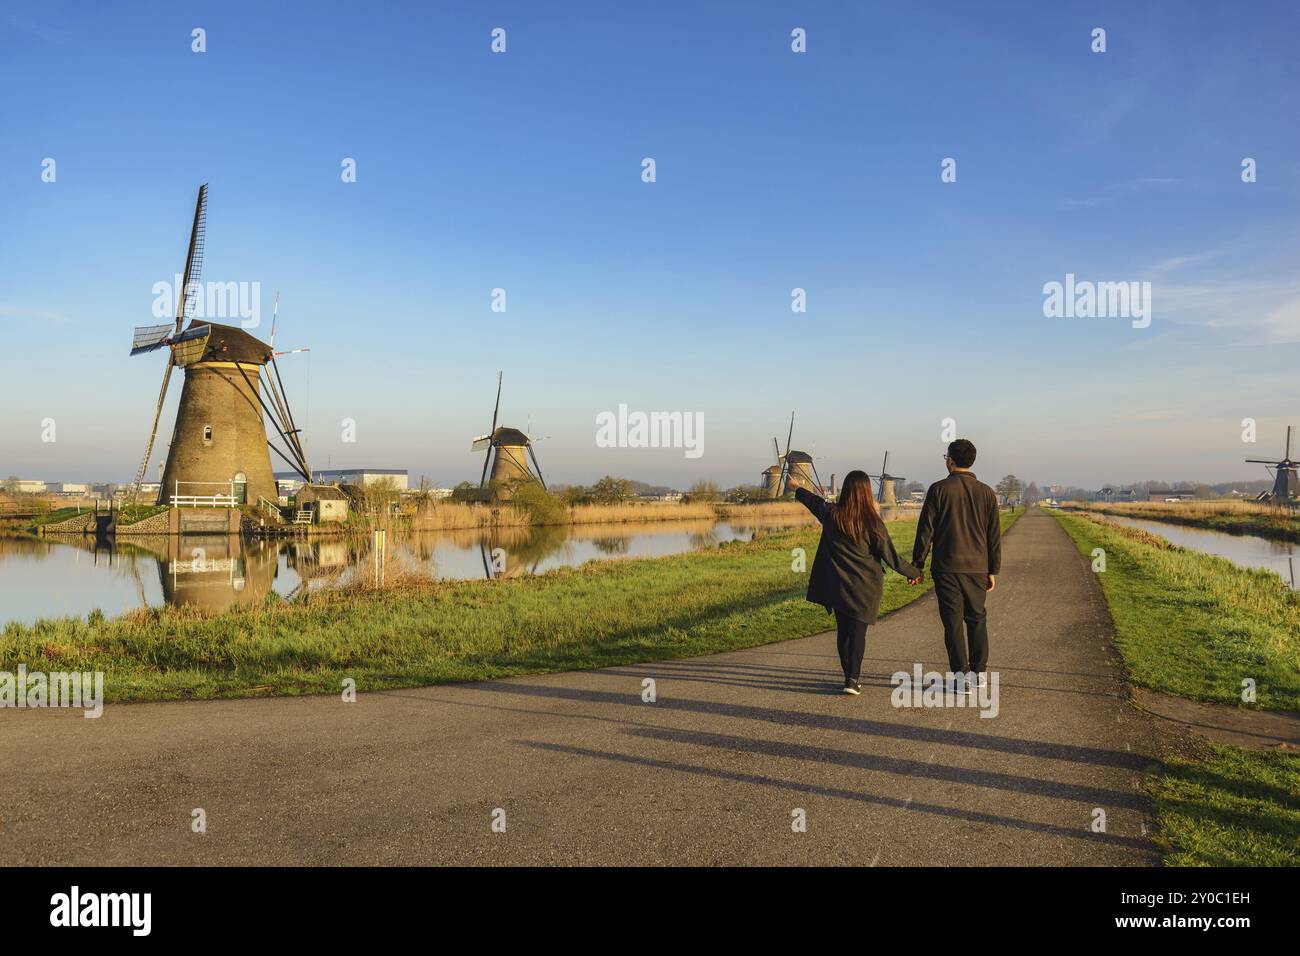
column 960, row 516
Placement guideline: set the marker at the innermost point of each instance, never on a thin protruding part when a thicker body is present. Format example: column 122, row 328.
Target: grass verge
column 1195, row 625
column 1234, row 808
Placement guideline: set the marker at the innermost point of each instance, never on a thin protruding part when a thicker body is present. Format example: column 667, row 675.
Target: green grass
column 54, row 517
column 1235, row 808
column 132, row 514
column 1195, row 625
column 602, row 614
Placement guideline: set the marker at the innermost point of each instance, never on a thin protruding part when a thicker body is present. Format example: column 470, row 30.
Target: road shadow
column 971, row 816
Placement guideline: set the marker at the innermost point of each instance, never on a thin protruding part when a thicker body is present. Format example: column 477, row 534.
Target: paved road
column 588, row 773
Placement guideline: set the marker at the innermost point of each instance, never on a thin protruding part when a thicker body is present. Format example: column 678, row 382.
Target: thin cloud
column 1117, row 191
column 21, row 313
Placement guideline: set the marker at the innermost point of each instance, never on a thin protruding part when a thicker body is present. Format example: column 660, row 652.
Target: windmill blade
column 1287, row 456
column 483, row 441
column 275, row 311
column 486, row 461
column 884, row 472
column 789, row 436
column 497, row 407
column 153, row 432
column 149, row 338
column 533, row 455
column 776, row 448
column 1260, row 461
column 817, row 477
column 193, row 259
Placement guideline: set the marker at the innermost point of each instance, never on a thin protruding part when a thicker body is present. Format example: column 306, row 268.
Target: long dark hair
column 855, row 512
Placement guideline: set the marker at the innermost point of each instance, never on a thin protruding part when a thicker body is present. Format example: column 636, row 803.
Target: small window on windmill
column 207, row 434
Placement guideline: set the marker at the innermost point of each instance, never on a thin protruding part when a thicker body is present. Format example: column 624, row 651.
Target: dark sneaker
column 852, row 687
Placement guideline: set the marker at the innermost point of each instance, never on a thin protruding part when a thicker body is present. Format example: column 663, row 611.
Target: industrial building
column 365, row 477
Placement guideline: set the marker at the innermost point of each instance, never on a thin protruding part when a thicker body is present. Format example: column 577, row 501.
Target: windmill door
column 241, row 488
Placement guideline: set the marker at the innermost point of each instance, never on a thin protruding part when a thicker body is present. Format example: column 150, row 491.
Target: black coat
column 847, row 576
column 961, row 517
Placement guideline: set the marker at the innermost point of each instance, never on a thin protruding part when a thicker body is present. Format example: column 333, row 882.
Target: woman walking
column 848, row 572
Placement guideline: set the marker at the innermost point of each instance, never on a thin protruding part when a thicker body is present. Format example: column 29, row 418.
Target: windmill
column 796, row 463
column 1286, row 484
column 508, row 452
column 219, row 443
column 887, row 493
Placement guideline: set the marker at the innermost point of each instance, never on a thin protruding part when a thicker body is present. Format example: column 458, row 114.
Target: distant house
column 365, row 477
column 1170, row 494
column 327, row 503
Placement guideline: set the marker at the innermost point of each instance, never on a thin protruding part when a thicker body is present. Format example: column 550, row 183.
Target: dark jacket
column 960, row 515
column 847, row 575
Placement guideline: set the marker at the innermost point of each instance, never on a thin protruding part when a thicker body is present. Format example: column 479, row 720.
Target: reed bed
column 1193, row 509
column 461, row 516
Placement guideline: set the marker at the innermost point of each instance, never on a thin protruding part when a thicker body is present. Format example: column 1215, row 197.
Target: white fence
column 215, row 500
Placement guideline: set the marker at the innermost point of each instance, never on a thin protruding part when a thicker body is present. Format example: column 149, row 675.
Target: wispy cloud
column 1256, row 312
column 25, row 24
column 1114, row 192
column 22, row 313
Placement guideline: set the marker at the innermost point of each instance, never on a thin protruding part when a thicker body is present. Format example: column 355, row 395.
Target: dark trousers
column 961, row 601
column 851, row 640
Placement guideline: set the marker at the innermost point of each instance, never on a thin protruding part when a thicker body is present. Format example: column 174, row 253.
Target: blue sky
column 775, row 170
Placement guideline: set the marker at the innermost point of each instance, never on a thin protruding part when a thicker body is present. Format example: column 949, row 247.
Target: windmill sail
column 184, row 307
column 148, row 338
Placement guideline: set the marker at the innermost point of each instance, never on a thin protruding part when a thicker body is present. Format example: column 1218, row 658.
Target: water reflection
column 1243, row 550
column 74, row 575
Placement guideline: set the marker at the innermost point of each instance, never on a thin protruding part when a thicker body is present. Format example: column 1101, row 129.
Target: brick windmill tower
column 219, row 448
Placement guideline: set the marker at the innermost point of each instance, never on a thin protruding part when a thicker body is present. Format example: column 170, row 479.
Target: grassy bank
column 1231, row 517
column 424, row 632
column 1195, row 625
column 1192, row 624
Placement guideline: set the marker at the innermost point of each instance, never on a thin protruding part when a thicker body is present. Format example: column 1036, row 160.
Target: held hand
column 992, row 582
column 791, row 482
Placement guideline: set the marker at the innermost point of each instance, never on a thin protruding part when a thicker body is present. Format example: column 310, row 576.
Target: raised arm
column 814, row 503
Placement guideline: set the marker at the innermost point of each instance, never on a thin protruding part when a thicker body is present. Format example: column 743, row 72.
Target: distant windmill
column 508, row 453
column 793, row 463
column 886, row 493
column 219, row 437
column 1286, row 484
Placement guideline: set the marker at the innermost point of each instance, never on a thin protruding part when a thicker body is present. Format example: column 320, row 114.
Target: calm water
column 48, row 578
column 1246, row 551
